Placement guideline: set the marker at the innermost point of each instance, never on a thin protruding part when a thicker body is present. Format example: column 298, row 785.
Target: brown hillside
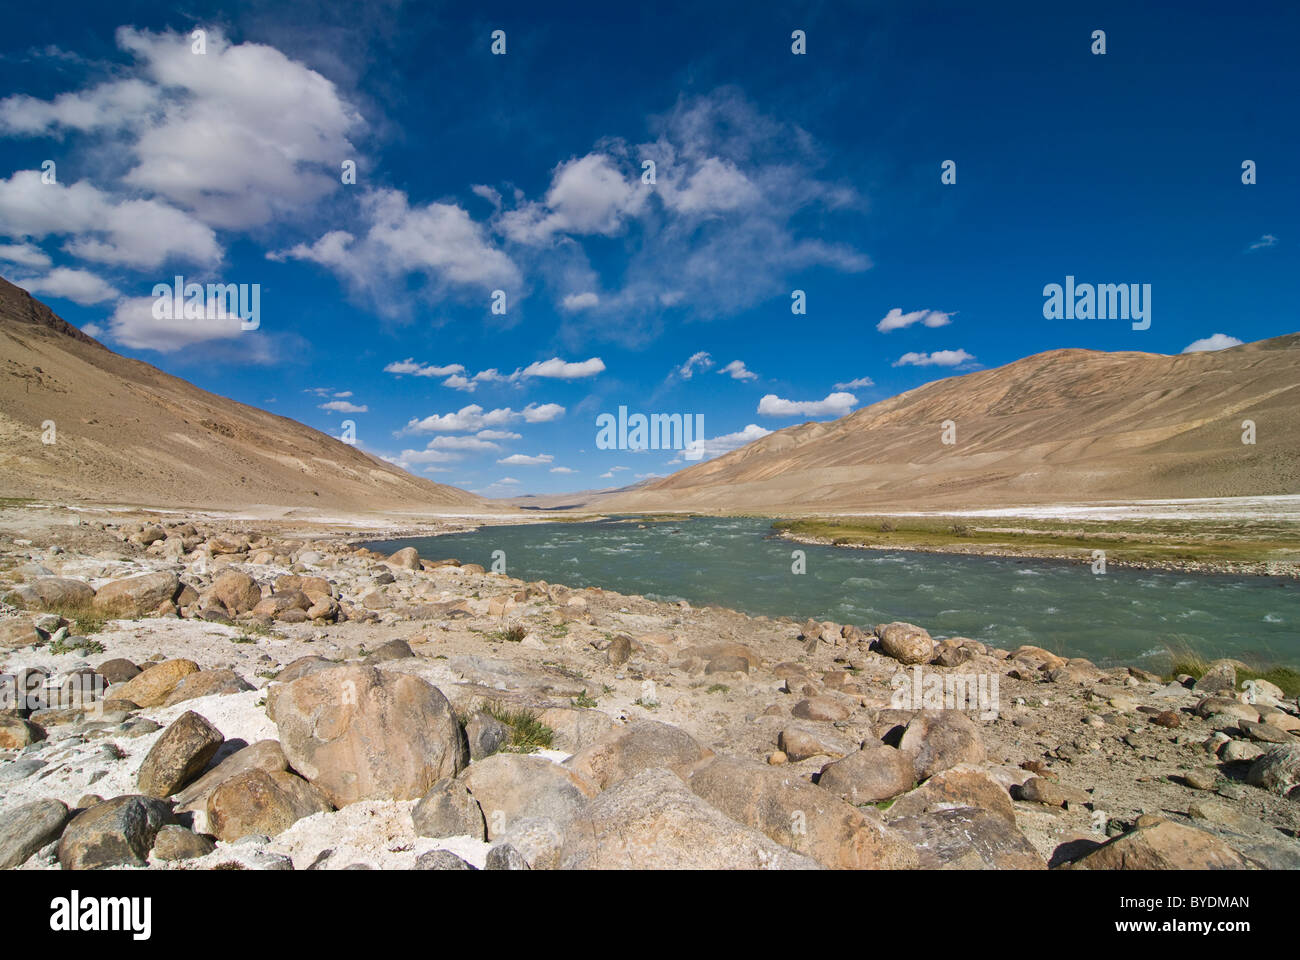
column 129, row 433
column 1061, row 426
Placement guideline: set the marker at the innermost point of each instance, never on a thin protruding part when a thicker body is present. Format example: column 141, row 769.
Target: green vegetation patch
column 527, row 732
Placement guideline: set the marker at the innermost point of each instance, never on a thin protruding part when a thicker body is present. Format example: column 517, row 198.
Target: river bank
column 593, row 721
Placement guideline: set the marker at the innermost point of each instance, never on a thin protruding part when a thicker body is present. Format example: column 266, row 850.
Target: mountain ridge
column 126, row 432
column 1062, row 425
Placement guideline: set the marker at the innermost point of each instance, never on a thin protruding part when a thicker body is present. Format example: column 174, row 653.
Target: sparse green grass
column 718, row 688
column 527, row 732
column 648, row 704
column 1186, row 661
column 1131, row 541
column 76, row 644
column 82, row 618
column 582, row 700
column 511, row 634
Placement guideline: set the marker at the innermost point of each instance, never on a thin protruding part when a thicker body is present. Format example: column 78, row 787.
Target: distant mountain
column 1065, row 425
column 128, row 433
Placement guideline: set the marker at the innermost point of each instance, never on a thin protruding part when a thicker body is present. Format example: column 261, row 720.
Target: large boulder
column 874, row 773
column 16, row 733
column 639, row 746
column 798, row 815
column 576, row 728
column 261, row 803
column 940, row 739
column 1278, row 771
column 174, row 842
column 652, row 821
column 408, row 558
column 154, row 685
column 59, row 593
column 207, row 683
column 800, row 743
column 965, row 785
column 264, row 755
column 905, row 642
column 25, row 829
column 538, row 840
column 512, row 786
column 238, row 592
column 118, row 670
column 136, row 596
column 18, row 633
column 179, row 755
column 360, row 734
column 116, row 832
column 967, row 838
column 448, row 810
column 1219, row 678
column 1163, row 846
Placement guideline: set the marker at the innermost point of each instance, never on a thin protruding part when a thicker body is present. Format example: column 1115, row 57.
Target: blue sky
column 524, row 173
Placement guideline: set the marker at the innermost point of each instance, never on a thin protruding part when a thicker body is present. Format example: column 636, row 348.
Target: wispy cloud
column 940, row 358
column 896, row 319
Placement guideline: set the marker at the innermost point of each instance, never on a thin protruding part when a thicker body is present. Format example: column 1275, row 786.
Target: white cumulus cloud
column 835, row 405
column 1216, row 341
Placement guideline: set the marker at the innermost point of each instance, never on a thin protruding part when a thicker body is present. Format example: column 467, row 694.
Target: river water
column 1121, row 617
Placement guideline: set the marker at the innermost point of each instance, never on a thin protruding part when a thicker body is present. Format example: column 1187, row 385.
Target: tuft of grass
column 582, row 700
column 718, row 688
column 82, row 618
column 1184, row 660
column 1286, row 679
column 513, row 634
column 527, row 732
column 76, row 644
column 648, row 704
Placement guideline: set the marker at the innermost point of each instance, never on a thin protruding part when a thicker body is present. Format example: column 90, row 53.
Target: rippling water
column 1124, row 616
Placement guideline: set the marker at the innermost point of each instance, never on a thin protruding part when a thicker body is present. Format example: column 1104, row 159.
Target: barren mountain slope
column 128, row 433
column 1066, row 425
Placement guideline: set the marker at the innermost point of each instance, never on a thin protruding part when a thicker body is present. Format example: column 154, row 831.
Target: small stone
column 441, row 860
column 504, row 857
column 820, row 708
column 1265, row 733
column 619, row 650
column 486, row 735
column 1169, row 719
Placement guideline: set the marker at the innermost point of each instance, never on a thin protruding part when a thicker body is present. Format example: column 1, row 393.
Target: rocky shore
column 211, row 693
